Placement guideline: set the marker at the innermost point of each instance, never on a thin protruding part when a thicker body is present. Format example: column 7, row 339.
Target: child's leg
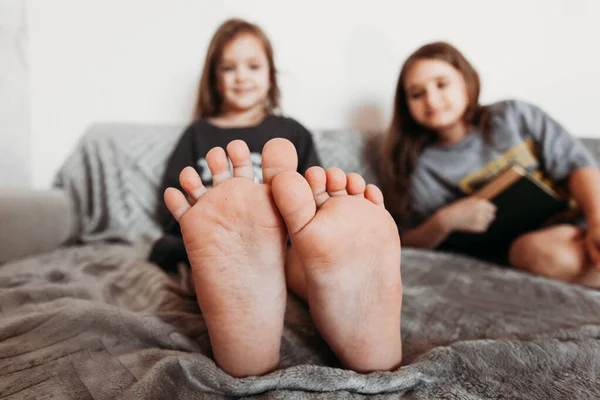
column 349, row 247
column 235, row 240
column 556, row 252
column 590, row 277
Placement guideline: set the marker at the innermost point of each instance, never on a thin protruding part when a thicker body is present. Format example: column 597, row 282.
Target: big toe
column 278, row 155
column 294, row 199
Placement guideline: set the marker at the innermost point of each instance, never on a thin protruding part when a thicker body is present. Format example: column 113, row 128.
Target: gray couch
column 84, row 315
column 91, row 201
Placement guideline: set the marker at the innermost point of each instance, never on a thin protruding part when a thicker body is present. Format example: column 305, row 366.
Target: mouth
column 242, row 91
column 433, row 113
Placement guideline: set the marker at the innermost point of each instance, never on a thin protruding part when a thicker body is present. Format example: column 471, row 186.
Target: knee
column 557, row 262
column 562, row 264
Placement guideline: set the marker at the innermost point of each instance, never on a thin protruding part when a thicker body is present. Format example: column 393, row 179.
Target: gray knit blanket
column 97, row 321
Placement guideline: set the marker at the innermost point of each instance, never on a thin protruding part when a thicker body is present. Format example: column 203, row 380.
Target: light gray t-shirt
column 521, row 134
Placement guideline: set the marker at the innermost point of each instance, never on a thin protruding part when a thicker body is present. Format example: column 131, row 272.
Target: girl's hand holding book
column 471, row 214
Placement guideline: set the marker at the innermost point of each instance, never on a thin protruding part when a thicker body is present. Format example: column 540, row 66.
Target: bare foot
column 350, row 249
column 236, row 240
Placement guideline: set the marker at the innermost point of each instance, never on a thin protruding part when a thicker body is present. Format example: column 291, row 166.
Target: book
column 523, row 203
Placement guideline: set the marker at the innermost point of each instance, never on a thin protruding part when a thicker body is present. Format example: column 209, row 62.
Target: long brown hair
column 209, row 101
column 406, row 139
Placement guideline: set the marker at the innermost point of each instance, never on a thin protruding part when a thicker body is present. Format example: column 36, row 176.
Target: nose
column 241, row 74
column 433, row 98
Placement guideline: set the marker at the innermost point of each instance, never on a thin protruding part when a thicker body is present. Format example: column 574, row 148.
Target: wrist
column 441, row 221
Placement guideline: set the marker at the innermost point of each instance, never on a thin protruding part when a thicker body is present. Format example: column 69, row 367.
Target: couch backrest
column 593, row 145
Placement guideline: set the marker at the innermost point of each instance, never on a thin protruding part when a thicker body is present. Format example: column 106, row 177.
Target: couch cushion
column 593, row 145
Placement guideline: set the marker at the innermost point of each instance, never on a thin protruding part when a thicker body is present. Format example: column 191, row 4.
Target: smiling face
column 243, row 78
column 436, row 95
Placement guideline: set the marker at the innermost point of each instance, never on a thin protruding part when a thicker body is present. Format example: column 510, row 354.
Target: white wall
column 15, row 148
column 139, row 60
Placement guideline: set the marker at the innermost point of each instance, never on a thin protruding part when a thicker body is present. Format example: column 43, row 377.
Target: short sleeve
column 560, row 152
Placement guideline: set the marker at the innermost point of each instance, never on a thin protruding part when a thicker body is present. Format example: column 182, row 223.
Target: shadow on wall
column 367, row 117
column 371, row 59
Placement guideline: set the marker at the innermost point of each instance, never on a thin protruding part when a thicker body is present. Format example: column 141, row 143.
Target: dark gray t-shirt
column 521, row 134
column 195, row 142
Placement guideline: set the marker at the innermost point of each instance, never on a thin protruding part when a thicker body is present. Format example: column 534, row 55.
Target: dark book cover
column 523, row 202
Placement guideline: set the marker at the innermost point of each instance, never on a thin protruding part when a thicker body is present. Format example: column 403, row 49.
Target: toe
column 218, row 165
column 192, row 184
column 294, row 199
column 239, row 154
column 374, row 195
column 176, row 203
column 317, row 180
column 336, row 182
column 278, row 155
column 355, row 184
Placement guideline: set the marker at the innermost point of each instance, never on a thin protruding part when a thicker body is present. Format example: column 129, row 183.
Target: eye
column 443, row 84
column 416, row 95
column 255, row 66
column 226, row 68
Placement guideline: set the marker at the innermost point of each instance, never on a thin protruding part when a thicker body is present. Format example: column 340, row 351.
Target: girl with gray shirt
column 442, row 144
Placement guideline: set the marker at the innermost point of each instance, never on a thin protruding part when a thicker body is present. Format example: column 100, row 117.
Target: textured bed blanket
column 98, row 322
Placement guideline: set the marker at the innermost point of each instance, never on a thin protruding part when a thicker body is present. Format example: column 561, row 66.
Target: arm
column 561, row 154
column 429, row 234
column 584, row 185
column 470, row 214
column 566, row 159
